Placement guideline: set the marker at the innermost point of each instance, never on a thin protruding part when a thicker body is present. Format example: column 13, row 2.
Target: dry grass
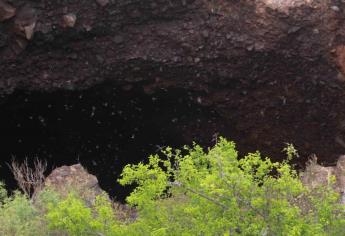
column 30, row 180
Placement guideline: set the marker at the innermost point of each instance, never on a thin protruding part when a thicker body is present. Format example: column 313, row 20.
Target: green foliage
column 18, row 216
column 189, row 192
column 217, row 193
column 49, row 214
column 290, row 151
column 71, row 215
column 3, row 192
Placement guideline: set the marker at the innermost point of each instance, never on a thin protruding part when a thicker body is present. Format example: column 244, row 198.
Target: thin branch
column 203, row 195
column 30, row 180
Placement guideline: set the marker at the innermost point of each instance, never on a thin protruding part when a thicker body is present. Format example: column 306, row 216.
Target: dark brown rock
column 26, row 15
column 6, row 11
column 286, row 55
column 118, row 39
column 103, row 2
column 25, row 21
column 340, row 58
column 19, row 45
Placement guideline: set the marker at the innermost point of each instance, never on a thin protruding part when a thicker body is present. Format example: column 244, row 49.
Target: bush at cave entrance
column 198, row 193
column 216, row 193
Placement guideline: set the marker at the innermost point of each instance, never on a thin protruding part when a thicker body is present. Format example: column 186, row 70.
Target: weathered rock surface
column 76, row 179
column 6, row 11
column 212, row 41
column 273, row 69
column 317, row 175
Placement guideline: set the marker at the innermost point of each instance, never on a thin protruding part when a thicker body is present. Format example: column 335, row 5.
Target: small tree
column 218, row 193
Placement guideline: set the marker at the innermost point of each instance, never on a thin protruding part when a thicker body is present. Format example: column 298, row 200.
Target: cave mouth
column 103, row 128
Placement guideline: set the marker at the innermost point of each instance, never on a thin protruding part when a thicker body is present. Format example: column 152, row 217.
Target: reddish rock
column 340, row 58
column 102, row 2
column 69, row 20
column 74, row 178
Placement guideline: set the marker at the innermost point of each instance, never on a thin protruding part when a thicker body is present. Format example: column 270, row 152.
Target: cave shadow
column 103, row 128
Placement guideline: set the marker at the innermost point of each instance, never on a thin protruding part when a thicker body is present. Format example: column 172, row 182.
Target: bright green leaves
column 217, row 193
column 71, row 215
column 18, row 216
column 291, row 151
column 190, row 192
column 152, row 181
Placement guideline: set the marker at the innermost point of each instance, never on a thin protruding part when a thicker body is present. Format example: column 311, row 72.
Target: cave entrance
column 103, row 128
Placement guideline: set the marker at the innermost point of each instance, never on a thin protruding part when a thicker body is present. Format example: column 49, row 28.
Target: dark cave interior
column 103, row 128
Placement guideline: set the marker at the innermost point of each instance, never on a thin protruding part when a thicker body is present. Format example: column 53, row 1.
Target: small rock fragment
column 335, row 8
column 259, row 46
column 6, row 11
column 127, row 87
column 197, row 60
column 176, row 59
column 205, row 33
column 135, row 14
column 19, row 45
column 199, row 100
column 118, row 39
column 102, row 3
column 340, row 58
column 87, row 27
column 29, row 31
column 250, row 47
column 99, row 59
column 69, row 20
column 294, row 29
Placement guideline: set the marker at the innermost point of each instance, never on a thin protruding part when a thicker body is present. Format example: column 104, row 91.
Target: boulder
column 74, row 178
column 316, row 175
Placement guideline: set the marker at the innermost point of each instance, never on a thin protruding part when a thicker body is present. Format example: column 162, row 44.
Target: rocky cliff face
column 273, row 70
column 74, row 44
column 316, row 175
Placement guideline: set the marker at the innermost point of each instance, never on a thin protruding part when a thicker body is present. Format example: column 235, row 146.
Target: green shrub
column 189, row 192
column 217, row 193
column 18, row 216
column 49, row 214
column 71, row 215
